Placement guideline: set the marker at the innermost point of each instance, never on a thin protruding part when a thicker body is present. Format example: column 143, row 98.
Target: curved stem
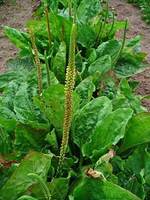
column 48, row 25
column 47, row 69
column 26, row 197
column 123, row 43
column 112, row 26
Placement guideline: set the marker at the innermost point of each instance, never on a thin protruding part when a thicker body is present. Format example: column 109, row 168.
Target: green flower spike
column 70, row 82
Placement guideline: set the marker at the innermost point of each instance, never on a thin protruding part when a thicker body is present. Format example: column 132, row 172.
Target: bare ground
column 13, row 13
column 136, row 27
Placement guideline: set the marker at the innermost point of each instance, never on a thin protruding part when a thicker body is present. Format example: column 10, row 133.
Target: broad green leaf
column 20, row 64
column 23, row 106
column 130, row 64
column 107, row 133
column 85, row 89
column 59, row 188
column 137, row 160
column 8, row 124
column 27, row 138
column 60, row 27
column 6, row 113
column 86, row 35
column 19, row 182
column 97, row 189
column 18, row 71
column 130, row 99
column 138, row 163
column 6, row 77
column 101, row 65
column 59, row 63
column 52, row 104
column 138, row 131
column 87, row 10
column 110, row 48
column 20, row 39
column 4, row 141
column 51, row 138
column 85, row 120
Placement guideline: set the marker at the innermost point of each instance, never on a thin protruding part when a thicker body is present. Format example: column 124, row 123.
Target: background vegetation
column 144, row 5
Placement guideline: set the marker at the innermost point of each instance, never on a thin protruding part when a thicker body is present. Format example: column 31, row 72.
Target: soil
column 13, row 13
column 137, row 26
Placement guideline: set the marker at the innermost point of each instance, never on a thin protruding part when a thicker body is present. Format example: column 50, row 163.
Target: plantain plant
column 87, row 138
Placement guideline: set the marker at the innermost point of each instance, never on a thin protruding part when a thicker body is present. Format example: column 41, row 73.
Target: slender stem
column 123, row 43
column 112, row 26
column 47, row 69
column 99, row 32
column 70, row 82
column 48, row 25
column 70, row 7
column 37, row 61
column 104, row 23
